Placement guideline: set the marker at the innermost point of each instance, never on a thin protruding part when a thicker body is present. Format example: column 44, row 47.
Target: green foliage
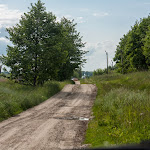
column 132, row 53
column 121, row 110
column 72, row 43
column 146, row 47
column 103, row 71
column 77, row 73
column 15, row 98
column 99, row 72
column 42, row 47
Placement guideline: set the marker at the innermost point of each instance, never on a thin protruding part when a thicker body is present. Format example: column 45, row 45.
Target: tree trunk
column 34, row 81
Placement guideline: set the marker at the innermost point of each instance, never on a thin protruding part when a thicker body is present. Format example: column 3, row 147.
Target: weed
column 121, row 109
column 15, row 98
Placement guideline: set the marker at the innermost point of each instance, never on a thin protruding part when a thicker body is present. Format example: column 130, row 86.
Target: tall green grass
column 121, row 109
column 15, row 98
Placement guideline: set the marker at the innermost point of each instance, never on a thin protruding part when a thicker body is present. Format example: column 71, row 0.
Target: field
column 15, row 98
column 121, row 110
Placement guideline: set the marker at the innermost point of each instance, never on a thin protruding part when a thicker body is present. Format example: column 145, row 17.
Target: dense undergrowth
column 121, row 109
column 15, row 98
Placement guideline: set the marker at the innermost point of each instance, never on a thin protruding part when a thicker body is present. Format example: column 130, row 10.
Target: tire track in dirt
column 54, row 124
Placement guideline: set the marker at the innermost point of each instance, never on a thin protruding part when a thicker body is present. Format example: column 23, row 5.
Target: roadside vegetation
column 133, row 51
column 15, row 98
column 122, row 106
column 121, row 110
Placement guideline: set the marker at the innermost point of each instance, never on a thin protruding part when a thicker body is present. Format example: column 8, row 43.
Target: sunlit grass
column 121, row 109
column 15, row 98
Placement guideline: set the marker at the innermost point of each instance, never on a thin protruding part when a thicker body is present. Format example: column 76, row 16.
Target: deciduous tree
column 42, row 47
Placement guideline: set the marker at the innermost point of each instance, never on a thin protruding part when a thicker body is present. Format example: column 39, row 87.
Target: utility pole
column 112, row 64
column 107, row 60
column 0, row 68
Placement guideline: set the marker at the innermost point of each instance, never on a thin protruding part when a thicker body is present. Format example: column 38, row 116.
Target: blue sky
column 101, row 22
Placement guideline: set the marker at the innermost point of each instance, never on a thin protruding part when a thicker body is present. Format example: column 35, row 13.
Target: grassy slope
column 15, row 98
column 121, row 109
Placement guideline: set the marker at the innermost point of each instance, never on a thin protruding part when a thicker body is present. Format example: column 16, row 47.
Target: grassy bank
column 15, row 98
column 121, row 109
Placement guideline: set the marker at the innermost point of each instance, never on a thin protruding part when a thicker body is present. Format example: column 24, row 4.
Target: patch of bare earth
column 3, row 80
column 57, row 123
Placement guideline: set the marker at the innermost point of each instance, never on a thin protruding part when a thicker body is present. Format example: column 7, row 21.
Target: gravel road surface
column 58, row 123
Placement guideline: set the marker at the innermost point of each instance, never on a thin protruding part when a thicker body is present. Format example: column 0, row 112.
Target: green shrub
column 15, row 98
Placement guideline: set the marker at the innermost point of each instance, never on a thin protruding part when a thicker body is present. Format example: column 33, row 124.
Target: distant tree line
column 104, row 71
column 78, row 73
column 133, row 50
column 43, row 48
column 99, row 72
column 87, row 73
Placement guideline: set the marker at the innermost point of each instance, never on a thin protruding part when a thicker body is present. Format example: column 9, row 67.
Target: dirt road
column 57, row 123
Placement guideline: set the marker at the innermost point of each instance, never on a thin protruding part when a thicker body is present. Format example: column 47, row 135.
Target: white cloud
column 3, row 39
column 80, row 20
column 96, row 58
column 8, row 16
column 76, row 19
column 100, row 14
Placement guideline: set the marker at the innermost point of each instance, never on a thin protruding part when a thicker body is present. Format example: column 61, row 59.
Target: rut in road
column 54, row 124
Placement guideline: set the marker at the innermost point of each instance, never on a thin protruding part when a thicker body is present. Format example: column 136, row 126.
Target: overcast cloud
column 8, row 16
column 96, row 57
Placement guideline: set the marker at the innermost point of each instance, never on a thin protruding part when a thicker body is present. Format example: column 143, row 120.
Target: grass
column 121, row 110
column 15, row 98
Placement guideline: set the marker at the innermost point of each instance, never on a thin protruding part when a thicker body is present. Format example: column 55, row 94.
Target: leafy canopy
column 133, row 50
column 43, row 48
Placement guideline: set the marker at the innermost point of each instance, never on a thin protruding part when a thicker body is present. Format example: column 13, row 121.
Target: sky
column 101, row 23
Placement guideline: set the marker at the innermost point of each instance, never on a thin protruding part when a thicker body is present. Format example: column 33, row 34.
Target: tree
column 129, row 53
column 146, row 47
column 41, row 46
column 77, row 73
column 72, row 44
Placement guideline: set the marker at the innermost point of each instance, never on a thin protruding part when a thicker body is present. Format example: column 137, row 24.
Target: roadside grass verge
column 121, row 110
column 15, row 98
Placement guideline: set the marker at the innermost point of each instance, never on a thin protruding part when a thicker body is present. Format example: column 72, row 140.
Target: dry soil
column 58, row 123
